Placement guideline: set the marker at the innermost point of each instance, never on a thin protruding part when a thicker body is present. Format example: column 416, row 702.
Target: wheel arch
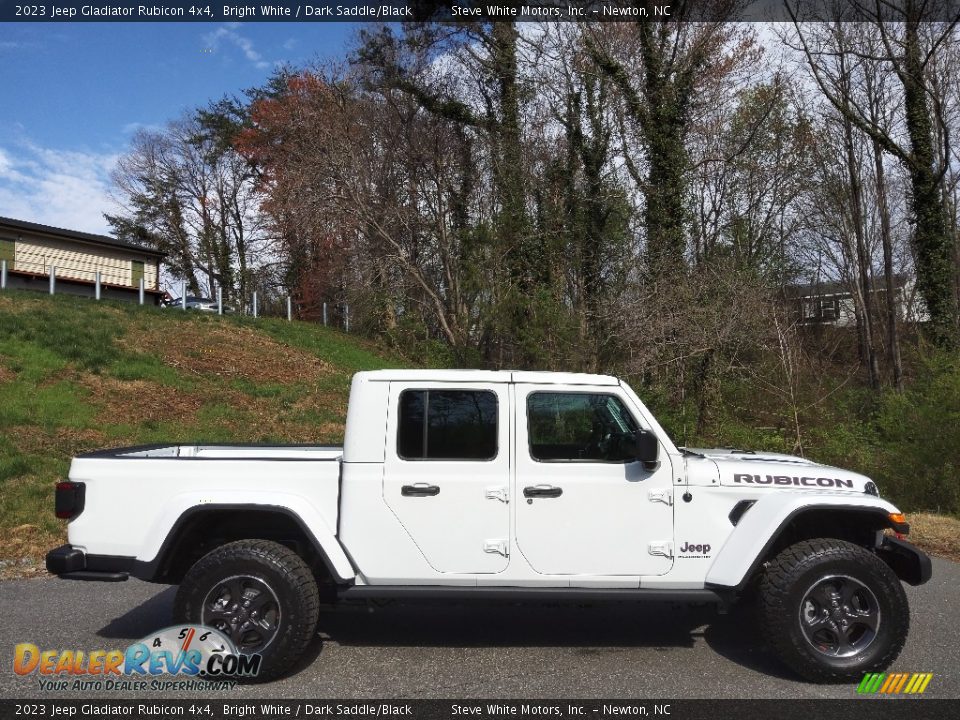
column 203, row 528
column 767, row 527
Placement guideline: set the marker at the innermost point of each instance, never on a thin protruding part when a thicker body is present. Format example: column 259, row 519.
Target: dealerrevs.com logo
column 182, row 657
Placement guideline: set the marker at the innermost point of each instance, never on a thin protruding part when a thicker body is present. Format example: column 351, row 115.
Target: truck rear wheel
column 833, row 610
column 260, row 594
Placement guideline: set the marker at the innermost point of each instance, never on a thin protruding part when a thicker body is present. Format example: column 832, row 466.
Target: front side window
column 591, row 427
column 447, row 425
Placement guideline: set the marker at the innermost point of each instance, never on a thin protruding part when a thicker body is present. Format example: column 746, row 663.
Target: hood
column 757, row 469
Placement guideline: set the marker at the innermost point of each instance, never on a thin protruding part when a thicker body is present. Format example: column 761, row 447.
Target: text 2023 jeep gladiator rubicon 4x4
column 483, row 484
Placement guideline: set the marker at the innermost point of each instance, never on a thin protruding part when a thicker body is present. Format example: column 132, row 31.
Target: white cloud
column 229, row 33
column 63, row 188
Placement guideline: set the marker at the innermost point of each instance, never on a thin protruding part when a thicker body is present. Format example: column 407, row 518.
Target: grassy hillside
column 76, row 375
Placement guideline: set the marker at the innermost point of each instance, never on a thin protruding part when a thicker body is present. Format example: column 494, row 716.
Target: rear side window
column 447, row 425
column 590, row 427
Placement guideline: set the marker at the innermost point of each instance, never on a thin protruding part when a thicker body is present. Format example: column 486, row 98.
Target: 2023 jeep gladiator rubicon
column 517, row 485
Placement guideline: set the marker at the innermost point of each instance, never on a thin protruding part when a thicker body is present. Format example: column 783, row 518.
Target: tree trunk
column 703, row 391
column 862, row 272
column 663, row 125
column 893, row 333
column 932, row 242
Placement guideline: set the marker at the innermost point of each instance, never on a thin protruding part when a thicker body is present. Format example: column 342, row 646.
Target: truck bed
column 224, row 452
column 135, row 495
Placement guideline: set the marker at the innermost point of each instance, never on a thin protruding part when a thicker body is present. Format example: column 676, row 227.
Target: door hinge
column 498, row 493
column 496, row 547
column 662, row 547
column 664, row 496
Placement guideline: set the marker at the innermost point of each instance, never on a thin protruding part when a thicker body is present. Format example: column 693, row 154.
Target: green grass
column 266, row 390
column 48, row 407
column 323, row 342
column 77, row 375
column 142, row 366
column 61, row 328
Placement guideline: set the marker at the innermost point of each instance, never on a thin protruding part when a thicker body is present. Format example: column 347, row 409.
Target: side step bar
column 472, row 592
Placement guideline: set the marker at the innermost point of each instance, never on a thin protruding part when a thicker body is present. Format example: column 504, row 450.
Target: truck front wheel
column 260, row 594
column 833, row 610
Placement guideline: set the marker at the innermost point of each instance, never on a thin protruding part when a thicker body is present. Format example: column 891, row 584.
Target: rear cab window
column 447, row 425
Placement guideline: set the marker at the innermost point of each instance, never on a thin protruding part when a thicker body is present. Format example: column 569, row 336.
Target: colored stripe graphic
column 871, row 683
column 865, row 683
column 900, row 684
column 889, row 682
column 894, row 683
column 919, row 683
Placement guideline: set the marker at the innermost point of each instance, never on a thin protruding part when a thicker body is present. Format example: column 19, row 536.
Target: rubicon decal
column 894, row 683
column 792, row 480
column 192, row 651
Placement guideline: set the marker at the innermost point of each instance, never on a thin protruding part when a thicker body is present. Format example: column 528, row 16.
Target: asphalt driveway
column 478, row 651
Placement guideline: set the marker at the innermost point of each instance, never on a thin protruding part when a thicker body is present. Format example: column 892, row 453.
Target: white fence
column 185, row 302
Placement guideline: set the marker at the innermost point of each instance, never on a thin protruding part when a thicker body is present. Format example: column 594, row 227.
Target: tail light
column 69, row 499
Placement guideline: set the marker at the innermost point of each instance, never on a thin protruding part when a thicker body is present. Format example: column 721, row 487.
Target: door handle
column 420, row 490
column 542, row 491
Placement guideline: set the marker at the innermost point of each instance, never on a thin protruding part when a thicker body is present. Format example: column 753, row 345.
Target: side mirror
column 647, row 447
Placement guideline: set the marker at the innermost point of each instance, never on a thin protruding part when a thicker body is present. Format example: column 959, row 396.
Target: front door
column 583, row 504
column 447, row 472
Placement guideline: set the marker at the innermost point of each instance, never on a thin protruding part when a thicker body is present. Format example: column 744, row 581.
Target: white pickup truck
column 483, row 484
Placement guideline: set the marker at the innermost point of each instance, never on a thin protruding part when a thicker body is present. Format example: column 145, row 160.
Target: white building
column 831, row 302
column 31, row 250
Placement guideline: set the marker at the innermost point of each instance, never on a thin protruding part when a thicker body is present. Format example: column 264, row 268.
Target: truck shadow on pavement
column 150, row 616
column 588, row 629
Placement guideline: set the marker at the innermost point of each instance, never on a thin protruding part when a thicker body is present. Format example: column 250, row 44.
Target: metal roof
column 90, row 238
column 492, row 376
column 837, row 287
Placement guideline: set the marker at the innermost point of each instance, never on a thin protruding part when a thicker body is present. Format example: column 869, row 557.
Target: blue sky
column 72, row 95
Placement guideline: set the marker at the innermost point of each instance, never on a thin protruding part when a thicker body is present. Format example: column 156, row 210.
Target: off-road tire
column 784, row 585
column 283, row 571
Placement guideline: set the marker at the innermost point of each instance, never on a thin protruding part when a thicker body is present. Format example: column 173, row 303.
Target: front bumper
column 71, row 563
column 911, row 564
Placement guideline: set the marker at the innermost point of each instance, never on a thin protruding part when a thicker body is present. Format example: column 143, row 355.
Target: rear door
column 447, row 471
column 584, row 505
